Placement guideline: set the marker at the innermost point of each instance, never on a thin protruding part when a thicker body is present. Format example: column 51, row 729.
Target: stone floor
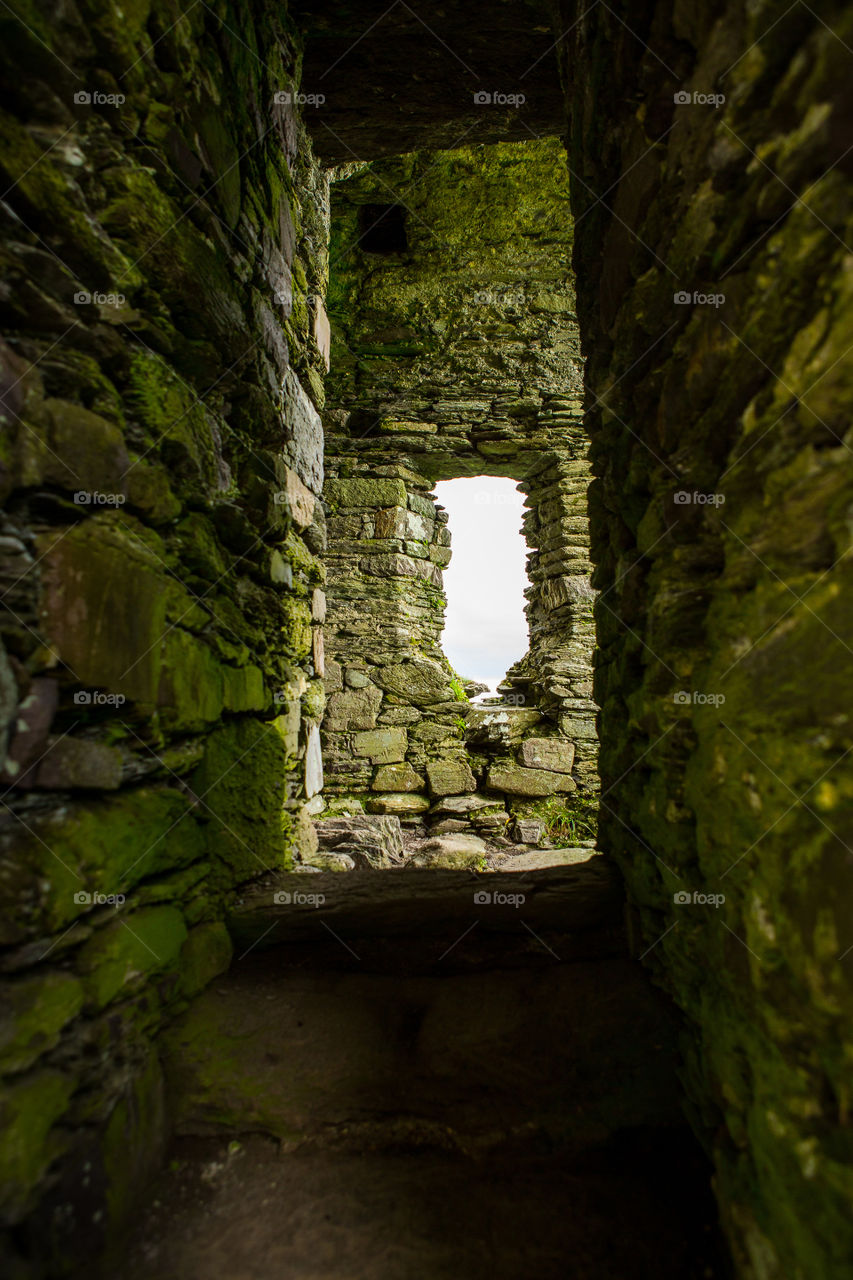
column 629, row 1213
column 428, row 1075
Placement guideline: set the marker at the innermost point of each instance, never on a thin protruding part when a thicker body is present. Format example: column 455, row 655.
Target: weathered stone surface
column 544, row 858
column 313, row 763
column 75, row 762
column 371, row 843
column 450, row 852
column 450, row 777
column 556, row 754
column 529, row 830
column 397, row 777
column 303, row 443
column 366, row 493
column 518, row 781
column 297, row 499
column 381, row 746
column 422, row 681
column 398, row 802
column 465, row 804
column 498, row 725
column 353, row 709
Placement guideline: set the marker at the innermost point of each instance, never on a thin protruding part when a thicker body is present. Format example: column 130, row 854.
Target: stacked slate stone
column 457, row 355
column 162, row 371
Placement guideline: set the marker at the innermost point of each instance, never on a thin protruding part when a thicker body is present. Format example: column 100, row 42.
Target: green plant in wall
column 458, row 689
column 569, row 821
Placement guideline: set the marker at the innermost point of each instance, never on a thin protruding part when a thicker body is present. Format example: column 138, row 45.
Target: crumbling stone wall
column 709, row 151
column 455, row 352
column 160, row 470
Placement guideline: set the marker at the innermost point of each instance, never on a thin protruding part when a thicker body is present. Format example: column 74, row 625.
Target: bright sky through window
column 485, row 630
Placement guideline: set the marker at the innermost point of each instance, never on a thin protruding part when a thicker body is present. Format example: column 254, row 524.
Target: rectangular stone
column 518, row 781
column 556, row 754
column 381, row 746
column 303, row 429
column 296, row 497
column 366, row 493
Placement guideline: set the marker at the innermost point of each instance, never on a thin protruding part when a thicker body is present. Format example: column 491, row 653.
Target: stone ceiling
column 396, row 79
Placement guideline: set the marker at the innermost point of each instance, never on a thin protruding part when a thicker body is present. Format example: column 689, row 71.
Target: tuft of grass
column 458, row 689
column 567, row 822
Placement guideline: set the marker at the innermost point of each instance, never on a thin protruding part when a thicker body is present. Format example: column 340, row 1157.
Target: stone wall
column 713, row 265
column 455, row 352
column 160, row 465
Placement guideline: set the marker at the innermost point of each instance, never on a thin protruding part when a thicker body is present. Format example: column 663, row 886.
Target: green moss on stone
column 123, row 952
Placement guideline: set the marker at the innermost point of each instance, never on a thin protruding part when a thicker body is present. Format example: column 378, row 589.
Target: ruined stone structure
column 172, row 514
column 455, row 352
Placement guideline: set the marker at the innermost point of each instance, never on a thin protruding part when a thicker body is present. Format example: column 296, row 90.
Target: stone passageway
column 387, row 1086
column 312, row 964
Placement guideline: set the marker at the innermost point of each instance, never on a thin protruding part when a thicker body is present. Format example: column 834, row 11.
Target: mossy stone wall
column 710, row 163
column 161, row 281
column 454, row 353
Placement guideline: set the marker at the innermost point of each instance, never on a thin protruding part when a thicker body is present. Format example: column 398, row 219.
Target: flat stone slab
column 540, row 859
column 576, row 909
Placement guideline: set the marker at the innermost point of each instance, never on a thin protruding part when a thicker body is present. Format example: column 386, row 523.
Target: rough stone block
column 372, row 842
column 366, row 493
column 103, row 606
column 450, row 852
column 303, row 433
column 353, row 709
column 381, row 746
column 313, row 763
column 422, row 681
column 398, row 802
column 77, row 762
column 397, row 777
column 450, row 777
column 556, row 754
column 519, row 781
column 296, row 498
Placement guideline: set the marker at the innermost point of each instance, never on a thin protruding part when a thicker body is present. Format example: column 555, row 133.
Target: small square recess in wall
column 382, row 228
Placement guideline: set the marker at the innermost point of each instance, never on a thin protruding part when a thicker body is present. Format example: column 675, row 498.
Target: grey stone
column 303, row 443
column 371, row 842
column 422, row 681
column 381, row 746
column 516, row 780
column 398, row 802
column 313, row 763
column 450, row 777
column 541, row 859
column 397, row 777
column 556, row 754
column 356, row 679
column 353, row 709
column 451, row 852
column 528, row 830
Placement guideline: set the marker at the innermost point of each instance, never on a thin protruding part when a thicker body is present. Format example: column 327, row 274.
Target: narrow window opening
column 382, row 228
column 485, row 626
